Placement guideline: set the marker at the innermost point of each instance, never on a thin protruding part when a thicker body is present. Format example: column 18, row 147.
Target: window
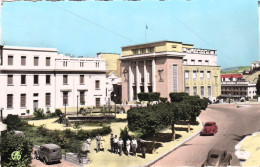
column 97, row 64
column 23, row 100
column 143, row 51
column 65, row 79
column 174, row 46
column 65, row 98
column 208, row 74
column 194, row 91
column 81, row 79
column 9, row 100
column 187, row 75
column 36, row 79
column 48, row 79
column 135, row 51
column 200, row 62
column 10, row 60
column 10, row 80
column 48, row 61
column 192, row 62
column 82, row 97
column 36, row 61
column 65, row 63
column 81, row 64
column 97, row 84
column 97, row 102
column 187, row 90
column 23, row 79
column 184, row 61
column 206, row 62
column 35, row 95
column 202, row 91
column 194, row 75
column 48, row 99
column 23, row 60
column 209, row 91
column 151, row 50
column 201, row 74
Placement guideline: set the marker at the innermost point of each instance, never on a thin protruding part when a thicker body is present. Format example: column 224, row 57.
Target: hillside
column 235, row 70
column 253, row 77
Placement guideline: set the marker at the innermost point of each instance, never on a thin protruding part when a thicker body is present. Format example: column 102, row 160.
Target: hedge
column 177, row 97
column 151, row 96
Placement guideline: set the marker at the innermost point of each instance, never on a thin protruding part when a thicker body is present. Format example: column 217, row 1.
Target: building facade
column 112, row 62
column 233, row 86
column 169, row 66
column 35, row 78
column 201, row 74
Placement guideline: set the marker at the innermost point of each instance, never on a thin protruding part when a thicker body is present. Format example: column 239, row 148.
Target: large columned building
column 168, row 66
column 33, row 78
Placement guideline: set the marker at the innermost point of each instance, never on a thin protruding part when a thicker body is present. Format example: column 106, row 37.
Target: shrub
column 177, row 97
column 74, row 146
column 48, row 112
column 11, row 143
column 42, row 130
column 12, row 122
column 58, row 112
column 28, row 111
column 68, row 133
column 163, row 99
column 39, row 113
column 152, row 96
column 83, row 134
column 256, row 97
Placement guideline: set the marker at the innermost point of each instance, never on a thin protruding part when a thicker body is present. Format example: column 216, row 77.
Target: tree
column 12, row 122
column 15, row 150
column 152, row 96
column 258, row 85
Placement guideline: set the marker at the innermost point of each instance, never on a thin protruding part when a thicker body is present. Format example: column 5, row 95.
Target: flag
column 146, row 26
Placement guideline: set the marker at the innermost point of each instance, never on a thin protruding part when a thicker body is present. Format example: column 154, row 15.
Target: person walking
column 143, row 148
column 120, row 146
column 134, row 146
column 128, row 144
column 112, row 143
column 98, row 138
column 115, row 143
column 88, row 141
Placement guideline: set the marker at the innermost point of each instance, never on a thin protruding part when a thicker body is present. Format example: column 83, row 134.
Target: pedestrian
column 143, row 148
column 120, row 146
column 102, row 144
column 134, row 146
column 98, row 138
column 128, row 144
column 88, row 141
column 112, row 143
column 115, row 143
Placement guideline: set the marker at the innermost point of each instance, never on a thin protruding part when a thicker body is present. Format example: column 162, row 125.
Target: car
column 48, row 153
column 218, row 158
column 209, row 128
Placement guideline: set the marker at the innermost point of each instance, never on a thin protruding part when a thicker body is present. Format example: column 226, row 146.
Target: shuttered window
column 36, row 61
column 97, row 84
column 82, row 97
column 65, row 98
column 23, row 60
column 97, row 102
column 10, row 79
column 23, row 79
column 48, row 79
column 23, row 100
column 81, row 79
column 65, row 79
column 202, row 91
column 36, row 79
column 9, row 100
column 48, row 99
column 48, row 61
column 10, row 60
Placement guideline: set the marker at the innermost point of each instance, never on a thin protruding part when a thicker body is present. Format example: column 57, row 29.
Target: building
column 112, row 62
column 201, row 73
column 167, row 66
column 35, row 78
column 233, row 86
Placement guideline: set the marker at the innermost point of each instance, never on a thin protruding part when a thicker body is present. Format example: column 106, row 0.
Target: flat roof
column 29, row 48
column 155, row 43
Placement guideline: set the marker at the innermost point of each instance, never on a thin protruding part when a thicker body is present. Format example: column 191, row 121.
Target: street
column 233, row 124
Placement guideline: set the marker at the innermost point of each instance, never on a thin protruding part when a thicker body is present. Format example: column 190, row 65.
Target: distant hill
column 235, row 70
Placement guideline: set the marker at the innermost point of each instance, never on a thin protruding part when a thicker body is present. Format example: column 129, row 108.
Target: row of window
column 233, row 88
column 143, row 50
column 194, row 75
column 48, row 80
column 195, row 92
column 10, row 99
column 23, row 61
column 233, row 93
column 200, row 62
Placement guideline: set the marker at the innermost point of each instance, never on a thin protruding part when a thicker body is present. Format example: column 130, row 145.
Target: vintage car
column 48, row 153
column 210, row 128
column 218, row 158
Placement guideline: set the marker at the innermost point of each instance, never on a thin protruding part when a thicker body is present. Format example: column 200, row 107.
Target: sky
column 88, row 27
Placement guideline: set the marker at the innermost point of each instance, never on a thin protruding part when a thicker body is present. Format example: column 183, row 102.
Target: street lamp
column 77, row 105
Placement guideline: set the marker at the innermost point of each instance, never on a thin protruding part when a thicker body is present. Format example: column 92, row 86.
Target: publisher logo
column 16, row 156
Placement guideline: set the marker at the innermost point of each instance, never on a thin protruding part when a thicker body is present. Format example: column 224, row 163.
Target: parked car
column 218, row 158
column 210, row 128
column 48, row 153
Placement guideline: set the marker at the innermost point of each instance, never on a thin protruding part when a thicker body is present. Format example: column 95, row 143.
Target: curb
column 174, row 148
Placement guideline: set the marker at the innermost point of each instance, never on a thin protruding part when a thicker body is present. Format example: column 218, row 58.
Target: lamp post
column 77, row 105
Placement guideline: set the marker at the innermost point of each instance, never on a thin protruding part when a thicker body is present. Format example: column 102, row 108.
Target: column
column 153, row 76
column 130, row 82
column 137, row 81
column 145, row 78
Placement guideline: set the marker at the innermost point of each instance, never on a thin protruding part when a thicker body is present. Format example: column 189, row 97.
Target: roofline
column 155, row 43
column 5, row 47
column 108, row 53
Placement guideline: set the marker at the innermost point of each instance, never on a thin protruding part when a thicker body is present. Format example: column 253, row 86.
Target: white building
column 34, row 78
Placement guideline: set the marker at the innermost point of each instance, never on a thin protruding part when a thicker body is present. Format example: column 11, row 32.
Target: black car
column 218, row 158
column 48, row 153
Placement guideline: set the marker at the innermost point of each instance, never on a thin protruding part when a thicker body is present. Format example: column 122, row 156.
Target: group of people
column 117, row 145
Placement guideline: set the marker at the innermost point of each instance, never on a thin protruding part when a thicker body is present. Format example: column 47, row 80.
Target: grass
column 235, row 70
